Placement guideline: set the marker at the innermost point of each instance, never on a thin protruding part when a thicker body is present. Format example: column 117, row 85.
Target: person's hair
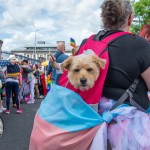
column 36, row 66
column 26, row 61
column 115, row 13
column 145, row 32
column 61, row 46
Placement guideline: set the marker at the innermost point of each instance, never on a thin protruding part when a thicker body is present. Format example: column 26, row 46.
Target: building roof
column 33, row 46
column 27, row 47
column 41, row 45
column 19, row 48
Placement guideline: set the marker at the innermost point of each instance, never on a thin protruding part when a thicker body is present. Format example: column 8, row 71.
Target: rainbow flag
column 72, row 42
column 65, row 122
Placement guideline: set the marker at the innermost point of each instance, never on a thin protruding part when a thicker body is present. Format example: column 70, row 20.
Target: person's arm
column 146, row 76
column 23, row 66
column 41, row 70
column 55, row 65
column 4, row 71
column 144, row 59
column 20, row 78
column 53, row 62
column 27, row 70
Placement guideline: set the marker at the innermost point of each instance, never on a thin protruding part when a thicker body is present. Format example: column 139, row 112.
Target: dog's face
column 83, row 70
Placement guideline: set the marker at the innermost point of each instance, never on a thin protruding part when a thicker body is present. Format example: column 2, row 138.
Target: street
column 18, row 127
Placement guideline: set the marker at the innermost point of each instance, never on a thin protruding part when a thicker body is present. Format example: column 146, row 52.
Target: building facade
column 40, row 52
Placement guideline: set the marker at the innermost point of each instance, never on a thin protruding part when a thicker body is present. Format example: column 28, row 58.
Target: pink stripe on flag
column 46, row 136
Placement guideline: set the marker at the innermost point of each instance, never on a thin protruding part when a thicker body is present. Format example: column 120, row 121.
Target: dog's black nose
column 83, row 80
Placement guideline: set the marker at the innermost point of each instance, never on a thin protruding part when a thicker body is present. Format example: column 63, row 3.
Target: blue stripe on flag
column 67, row 110
column 72, row 40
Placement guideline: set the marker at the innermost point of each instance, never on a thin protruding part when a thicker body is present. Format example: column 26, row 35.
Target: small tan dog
column 83, row 70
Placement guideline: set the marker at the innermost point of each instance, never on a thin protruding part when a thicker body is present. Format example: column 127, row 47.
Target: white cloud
column 55, row 20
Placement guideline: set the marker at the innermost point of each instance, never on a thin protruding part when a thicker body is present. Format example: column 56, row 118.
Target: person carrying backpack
column 121, row 119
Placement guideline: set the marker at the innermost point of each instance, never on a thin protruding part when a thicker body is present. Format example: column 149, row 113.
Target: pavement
column 18, row 127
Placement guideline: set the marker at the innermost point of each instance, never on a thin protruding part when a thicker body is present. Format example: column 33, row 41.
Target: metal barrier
column 22, row 57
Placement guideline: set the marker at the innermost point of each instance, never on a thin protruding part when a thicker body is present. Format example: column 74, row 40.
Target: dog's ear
column 99, row 61
column 67, row 63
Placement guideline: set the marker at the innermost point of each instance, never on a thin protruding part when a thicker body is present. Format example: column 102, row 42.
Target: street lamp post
column 35, row 43
column 1, row 43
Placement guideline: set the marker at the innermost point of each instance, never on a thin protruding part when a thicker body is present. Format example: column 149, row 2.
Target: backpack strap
column 102, row 44
column 113, row 37
column 129, row 94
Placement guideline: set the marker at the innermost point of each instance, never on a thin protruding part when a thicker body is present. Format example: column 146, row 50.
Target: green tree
column 142, row 14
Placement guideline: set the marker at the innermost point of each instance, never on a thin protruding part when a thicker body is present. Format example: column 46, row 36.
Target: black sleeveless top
column 13, row 70
column 129, row 57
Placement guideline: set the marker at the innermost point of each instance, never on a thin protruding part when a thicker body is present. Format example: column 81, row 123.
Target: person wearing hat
column 12, row 73
column 3, row 63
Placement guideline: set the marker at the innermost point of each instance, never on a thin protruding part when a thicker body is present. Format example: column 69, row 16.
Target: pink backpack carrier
column 93, row 95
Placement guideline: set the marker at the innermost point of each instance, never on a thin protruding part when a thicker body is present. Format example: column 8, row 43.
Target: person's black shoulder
column 83, row 42
column 27, row 70
column 97, row 37
column 143, row 50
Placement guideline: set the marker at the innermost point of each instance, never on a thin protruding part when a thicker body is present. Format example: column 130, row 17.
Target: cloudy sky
column 54, row 19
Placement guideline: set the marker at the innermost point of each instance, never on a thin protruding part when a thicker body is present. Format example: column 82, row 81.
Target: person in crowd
column 28, row 82
column 75, row 50
column 36, row 73
column 60, row 56
column 20, row 85
column 124, row 104
column 2, row 83
column 20, row 90
column 12, row 73
column 145, row 32
column 42, row 82
column 49, row 82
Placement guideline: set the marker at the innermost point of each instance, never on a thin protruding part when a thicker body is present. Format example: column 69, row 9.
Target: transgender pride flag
column 65, row 122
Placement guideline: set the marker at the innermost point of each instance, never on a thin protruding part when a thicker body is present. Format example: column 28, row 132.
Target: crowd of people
column 21, row 81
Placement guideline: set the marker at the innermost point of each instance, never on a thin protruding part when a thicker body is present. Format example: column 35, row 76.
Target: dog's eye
column 89, row 69
column 76, row 70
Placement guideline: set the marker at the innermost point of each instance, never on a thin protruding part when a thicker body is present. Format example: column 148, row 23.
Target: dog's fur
column 83, row 70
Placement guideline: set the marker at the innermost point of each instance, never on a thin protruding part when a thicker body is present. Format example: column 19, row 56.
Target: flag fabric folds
column 64, row 122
